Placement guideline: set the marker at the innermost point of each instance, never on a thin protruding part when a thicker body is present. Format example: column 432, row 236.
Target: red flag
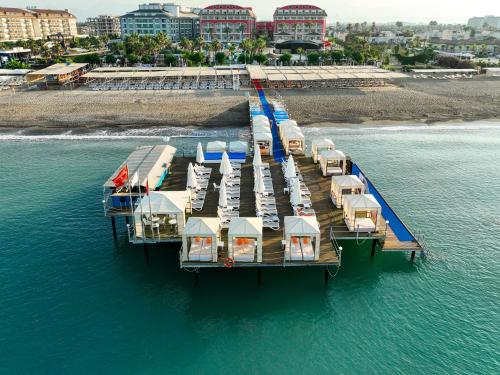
column 122, row 176
column 147, row 186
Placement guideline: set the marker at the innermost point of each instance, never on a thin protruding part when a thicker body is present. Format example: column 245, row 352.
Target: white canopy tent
column 320, row 145
column 332, row 163
column 216, row 146
column 287, row 124
column 165, row 206
column 345, row 185
column 245, row 239
column 260, row 120
column 200, row 156
column 302, row 238
column 293, row 141
column 362, row 213
column 238, row 146
column 200, row 238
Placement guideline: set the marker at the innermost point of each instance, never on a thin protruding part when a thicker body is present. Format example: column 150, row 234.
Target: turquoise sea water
column 73, row 302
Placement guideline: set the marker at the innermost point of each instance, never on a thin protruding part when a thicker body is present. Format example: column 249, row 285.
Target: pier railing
column 336, row 247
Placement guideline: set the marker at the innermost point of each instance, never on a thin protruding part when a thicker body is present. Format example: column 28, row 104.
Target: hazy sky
column 453, row 11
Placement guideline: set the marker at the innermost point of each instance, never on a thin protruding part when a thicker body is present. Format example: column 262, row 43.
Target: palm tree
column 198, row 43
column 163, row 41
column 247, row 46
column 210, row 31
column 241, row 29
column 300, row 51
column 186, row 44
column 226, row 31
column 260, row 44
column 46, row 53
column 231, row 50
column 216, row 45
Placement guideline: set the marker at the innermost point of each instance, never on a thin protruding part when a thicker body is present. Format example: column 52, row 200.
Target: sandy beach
column 409, row 101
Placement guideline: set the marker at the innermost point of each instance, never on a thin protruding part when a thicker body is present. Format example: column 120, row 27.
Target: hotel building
column 150, row 19
column 300, row 22
column 104, row 25
column 227, row 23
column 18, row 24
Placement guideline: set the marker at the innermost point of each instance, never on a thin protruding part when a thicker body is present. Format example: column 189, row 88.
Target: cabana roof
column 293, row 133
column 324, row 142
column 263, row 136
column 163, row 202
column 301, row 225
column 216, row 146
column 245, row 226
column 333, row 154
column 238, row 146
column 202, row 226
column 347, row 181
column 361, row 201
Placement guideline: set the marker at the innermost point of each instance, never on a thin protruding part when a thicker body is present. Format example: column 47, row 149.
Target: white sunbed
column 307, row 249
column 195, row 250
column 293, row 251
column 364, row 225
column 245, row 252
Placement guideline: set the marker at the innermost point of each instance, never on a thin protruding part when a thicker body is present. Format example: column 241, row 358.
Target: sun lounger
column 293, row 251
column 245, row 250
column 307, row 249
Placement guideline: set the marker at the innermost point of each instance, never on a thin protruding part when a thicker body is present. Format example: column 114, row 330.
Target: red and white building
column 300, row 22
column 227, row 23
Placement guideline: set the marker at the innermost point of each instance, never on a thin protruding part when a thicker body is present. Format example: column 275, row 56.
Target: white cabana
column 293, row 141
column 362, row 213
column 216, row 146
column 161, row 212
column 345, row 185
column 290, row 171
column 200, row 239
column 320, row 145
column 225, row 165
column 245, row 239
column 302, row 238
column 264, row 141
column 238, row 146
column 260, row 120
column 200, row 157
column 287, row 124
column 332, row 163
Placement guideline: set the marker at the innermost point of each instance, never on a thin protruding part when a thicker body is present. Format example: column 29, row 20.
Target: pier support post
column 127, row 220
column 146, row 252
column 327, row 275
column 374, row 245
column 113, row 225
column 412, row 256
column 196, row 275
column 259, row 276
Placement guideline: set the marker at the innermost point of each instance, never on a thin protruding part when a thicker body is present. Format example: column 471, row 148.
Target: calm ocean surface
column 73, row 302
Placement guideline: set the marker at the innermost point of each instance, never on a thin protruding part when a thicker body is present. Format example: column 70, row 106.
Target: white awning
column 245, row 227
column 238, row 146
column 202, row 226
column 163, row 202
column 360, row 202
column 301, row 226
column 347, row 181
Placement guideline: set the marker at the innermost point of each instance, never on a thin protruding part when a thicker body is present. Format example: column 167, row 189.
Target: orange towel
column 306, row 240
column 209, row 241
column 295, row 240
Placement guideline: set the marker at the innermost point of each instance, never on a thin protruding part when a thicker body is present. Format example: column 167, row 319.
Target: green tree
column 313, row 58
column 301, row 52
column 16, row 64
column 220, row 58
column 285, row 58
column 132, row 58
column 241, row 29
column 260, row 58
column 110, row 59
column 163, row 41
column 226, row 31
column 170, row 59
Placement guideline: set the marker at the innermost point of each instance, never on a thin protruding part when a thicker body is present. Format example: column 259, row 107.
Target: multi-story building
column 300, row 22
column 104, row 25
column 150, row 19
column 484, row 22
column 17, row 24
column 227, row 23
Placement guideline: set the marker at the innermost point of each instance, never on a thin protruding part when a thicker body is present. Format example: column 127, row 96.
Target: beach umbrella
column 200, row 157
column 290, row 171
column 225, row 165
column 257, row 160
column 222, row 196
column 296, row 196
column 192, row 182
column 259, row 183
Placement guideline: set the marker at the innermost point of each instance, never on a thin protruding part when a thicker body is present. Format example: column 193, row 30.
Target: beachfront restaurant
column 264, row 141
column 362, row 213
column 345, row 185
column 245, row 239
column 301, row 238
column 58, row 74
column 200, row 239
column 293, row 141
column 332, row 163
column 161, row 215
column 320, row 145
column 150, row 164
